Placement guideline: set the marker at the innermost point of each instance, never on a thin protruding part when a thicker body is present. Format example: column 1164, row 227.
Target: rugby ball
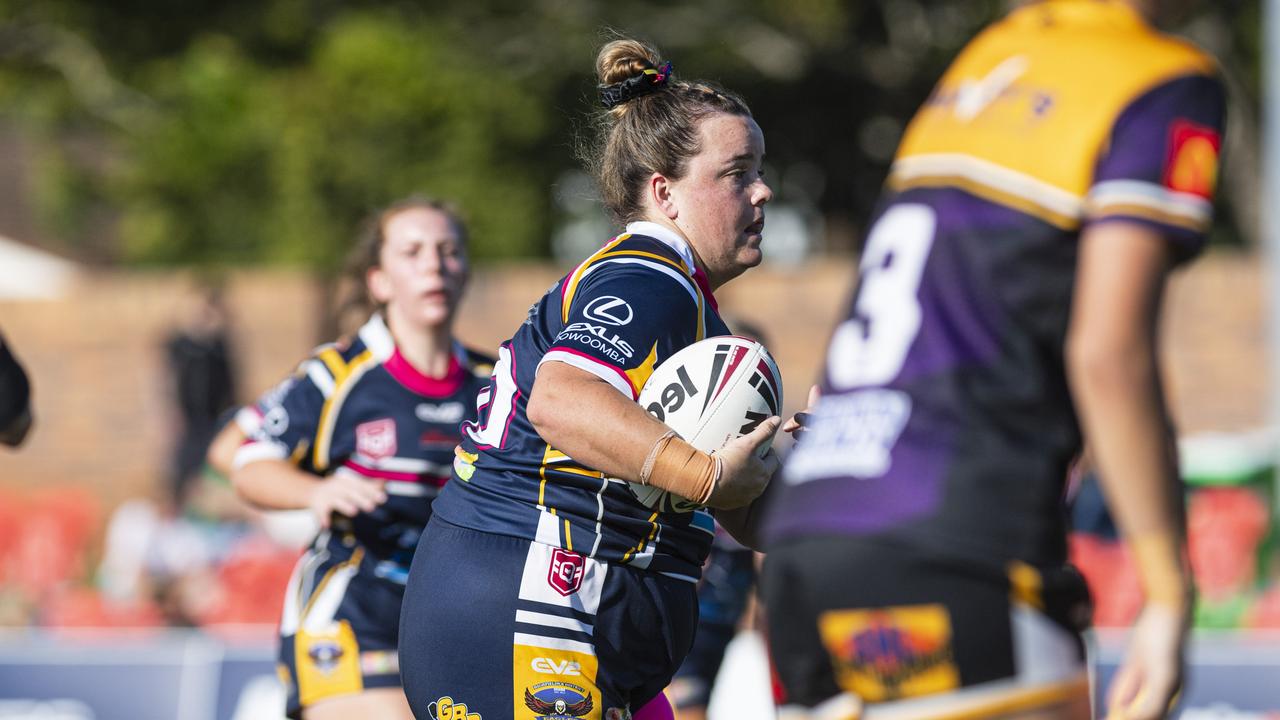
column 710, row 393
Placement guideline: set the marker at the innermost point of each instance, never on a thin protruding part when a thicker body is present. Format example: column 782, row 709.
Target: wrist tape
column 676, row 466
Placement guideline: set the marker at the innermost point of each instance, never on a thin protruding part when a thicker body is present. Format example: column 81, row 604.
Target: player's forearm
column 274, row 485
column 588, row 420
column 1121, row 408
column 222, row 451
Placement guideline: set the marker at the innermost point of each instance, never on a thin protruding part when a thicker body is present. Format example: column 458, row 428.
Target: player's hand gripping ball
column 709, row 393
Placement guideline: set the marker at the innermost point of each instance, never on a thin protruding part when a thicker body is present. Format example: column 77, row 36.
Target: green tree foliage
column 249, row 131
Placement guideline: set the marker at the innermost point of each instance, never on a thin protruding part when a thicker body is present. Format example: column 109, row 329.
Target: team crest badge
column 325, row 654
column 376, row 439
column 558, row 701
column 565, row 573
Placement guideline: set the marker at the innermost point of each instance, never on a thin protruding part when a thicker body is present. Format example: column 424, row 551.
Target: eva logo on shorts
column 377, row 439
column 565, row 573
column 446, row 709
column 550, row 666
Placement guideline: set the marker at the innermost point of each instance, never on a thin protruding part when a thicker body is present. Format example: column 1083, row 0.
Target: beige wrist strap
column 676, row 466
column 1158, row 558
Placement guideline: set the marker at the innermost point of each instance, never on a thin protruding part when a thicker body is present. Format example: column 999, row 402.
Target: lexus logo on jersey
column 609, row 310
column 376, row 439
column 565, row 573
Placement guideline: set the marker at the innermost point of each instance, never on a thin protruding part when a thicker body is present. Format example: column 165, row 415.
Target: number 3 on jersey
column 870, row 348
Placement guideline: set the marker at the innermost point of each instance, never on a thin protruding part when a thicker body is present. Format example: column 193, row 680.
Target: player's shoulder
column 345, row 359
column 479, row 364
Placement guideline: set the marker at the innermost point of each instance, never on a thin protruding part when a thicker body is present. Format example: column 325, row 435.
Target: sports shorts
column 503, row 628
column 884, row 624
column 340, row 624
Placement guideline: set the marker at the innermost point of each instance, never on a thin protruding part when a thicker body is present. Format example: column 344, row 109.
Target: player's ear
column 662, row 195
column 379, row 285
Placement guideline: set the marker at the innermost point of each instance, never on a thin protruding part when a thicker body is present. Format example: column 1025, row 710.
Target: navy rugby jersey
column 362, row 408
column 624, row 310
column 946, row 420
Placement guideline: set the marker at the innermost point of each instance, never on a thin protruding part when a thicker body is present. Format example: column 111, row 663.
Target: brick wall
column 105, row 421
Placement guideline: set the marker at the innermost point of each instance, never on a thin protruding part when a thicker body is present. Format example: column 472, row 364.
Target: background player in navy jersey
column 1010, row 284
column 363, row 436
column 583, row 604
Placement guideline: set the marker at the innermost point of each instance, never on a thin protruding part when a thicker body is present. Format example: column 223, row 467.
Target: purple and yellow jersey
column 624, row 310
column 946, row 420
column 361, row 408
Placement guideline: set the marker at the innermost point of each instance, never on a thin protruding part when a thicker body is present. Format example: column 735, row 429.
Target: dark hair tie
column 635, row 86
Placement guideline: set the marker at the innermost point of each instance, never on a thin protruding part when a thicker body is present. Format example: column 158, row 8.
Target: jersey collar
column 377, row 337
column 668, row 237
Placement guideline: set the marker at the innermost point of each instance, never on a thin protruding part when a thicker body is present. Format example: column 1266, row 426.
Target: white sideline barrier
column 189, row 675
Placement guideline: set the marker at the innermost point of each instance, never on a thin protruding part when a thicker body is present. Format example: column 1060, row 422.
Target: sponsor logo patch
column 565, row 572
column 557, row 700
column 598, row 337
column 891, row 653
column 447, row 412
column 1193, row 158
column 376, row 439
column 556, row 666
column 446, row 709
column 609, row 310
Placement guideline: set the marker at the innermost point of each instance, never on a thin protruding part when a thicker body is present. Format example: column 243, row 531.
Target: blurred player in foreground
column 15, row 399
column 582, row 602
column 1011, row 280
column 363, row 436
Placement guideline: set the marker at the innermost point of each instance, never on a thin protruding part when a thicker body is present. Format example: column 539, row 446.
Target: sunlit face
column 719, row 203
column 422, row 267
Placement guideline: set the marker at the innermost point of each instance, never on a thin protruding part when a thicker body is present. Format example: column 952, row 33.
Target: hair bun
column 649, row 81
column 624, row 58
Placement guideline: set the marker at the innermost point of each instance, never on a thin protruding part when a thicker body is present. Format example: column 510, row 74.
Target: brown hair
column 366, row 254
column 655, row 132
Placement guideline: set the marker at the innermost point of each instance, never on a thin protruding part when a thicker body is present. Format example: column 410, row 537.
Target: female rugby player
column 1008, row 299
column 542, row 586
column 363, row 436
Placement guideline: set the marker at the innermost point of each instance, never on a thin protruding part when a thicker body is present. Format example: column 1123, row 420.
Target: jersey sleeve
column 625, row 319
column 282, row 423
column 1160, row 165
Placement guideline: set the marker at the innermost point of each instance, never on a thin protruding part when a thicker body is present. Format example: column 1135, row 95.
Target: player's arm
column 1112, row 369
column 583, row 397
column 264, row 472
column 222, row 450
column 586, row 418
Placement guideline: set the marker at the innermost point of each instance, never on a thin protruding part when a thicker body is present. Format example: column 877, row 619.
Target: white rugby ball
column 709, row 393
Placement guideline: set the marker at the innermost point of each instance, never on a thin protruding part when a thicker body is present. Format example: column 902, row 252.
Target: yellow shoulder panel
column 1024, row 112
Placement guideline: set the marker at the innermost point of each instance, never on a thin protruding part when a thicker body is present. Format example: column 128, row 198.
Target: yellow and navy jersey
column 359, row 407
column 631, row 305
column 946, row 419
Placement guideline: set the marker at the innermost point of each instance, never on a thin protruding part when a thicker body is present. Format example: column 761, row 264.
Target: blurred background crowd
column 180, row 181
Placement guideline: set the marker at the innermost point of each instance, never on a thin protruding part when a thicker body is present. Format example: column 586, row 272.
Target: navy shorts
column 340, row 624
column 504, row 628
column 886, row 623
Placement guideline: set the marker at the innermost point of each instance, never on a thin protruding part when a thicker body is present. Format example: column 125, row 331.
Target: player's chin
column 751, row 255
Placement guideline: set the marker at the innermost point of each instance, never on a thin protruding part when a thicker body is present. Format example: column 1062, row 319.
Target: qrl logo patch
column 565, row 572
column 377, row 439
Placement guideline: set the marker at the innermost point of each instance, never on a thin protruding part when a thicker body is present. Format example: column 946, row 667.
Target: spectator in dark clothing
column 15, row 399
column 204, row 385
